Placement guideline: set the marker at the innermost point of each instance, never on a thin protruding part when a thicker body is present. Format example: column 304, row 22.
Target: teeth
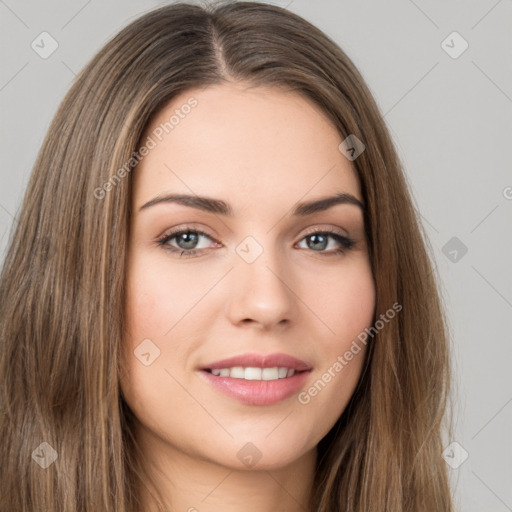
column 251, row 373
column 237, row 372
column 283, row 372
column 270, row 373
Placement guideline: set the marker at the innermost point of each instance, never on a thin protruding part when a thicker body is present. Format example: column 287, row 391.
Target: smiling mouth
column 257, row 379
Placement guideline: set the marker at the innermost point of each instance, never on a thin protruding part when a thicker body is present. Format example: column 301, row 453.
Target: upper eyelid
column 201, row 232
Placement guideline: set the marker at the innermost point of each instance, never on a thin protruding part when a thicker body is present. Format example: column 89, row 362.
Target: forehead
column 236, row 141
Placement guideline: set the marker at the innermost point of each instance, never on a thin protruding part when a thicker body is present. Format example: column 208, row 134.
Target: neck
column 190, row 484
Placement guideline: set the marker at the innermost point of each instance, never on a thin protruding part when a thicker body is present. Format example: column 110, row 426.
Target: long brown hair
column 62, row 283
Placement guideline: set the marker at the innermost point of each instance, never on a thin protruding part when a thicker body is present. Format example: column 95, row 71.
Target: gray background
column 452, row 124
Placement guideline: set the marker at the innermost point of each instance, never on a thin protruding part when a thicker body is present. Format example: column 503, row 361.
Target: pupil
column 316, row 237
column 189, row 238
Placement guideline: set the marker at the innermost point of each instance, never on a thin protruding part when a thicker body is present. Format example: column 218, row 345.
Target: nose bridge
column 261, row 283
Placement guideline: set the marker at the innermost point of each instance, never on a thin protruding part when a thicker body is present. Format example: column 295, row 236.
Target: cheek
column 345, row 302
column 147, row 387
column 347, row 307
column 157, row 299
column 158, row 333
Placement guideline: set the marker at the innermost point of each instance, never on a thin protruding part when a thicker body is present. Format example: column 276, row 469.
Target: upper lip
column 260, row 361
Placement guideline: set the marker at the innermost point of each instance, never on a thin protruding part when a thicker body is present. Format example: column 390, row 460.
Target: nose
column 262, row 292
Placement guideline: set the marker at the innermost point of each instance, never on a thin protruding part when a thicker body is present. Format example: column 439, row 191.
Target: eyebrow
column 218, row 206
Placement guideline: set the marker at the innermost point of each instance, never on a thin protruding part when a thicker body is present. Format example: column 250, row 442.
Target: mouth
column 258, row 380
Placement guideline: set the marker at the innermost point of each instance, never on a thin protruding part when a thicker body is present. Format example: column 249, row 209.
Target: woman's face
column 248, row 274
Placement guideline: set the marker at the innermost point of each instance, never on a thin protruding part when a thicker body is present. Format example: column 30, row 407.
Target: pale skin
column 263, row 151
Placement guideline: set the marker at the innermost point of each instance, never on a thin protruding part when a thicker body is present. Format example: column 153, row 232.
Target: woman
column 218, row 288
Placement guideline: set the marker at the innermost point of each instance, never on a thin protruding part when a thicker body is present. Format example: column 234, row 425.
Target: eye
column 187, row 241
column 318, row 241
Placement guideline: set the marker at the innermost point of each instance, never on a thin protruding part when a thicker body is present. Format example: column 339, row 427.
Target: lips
column 260, row 361
column 258, row 392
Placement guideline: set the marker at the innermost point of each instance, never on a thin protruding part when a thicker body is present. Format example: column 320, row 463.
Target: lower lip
column 258, row 392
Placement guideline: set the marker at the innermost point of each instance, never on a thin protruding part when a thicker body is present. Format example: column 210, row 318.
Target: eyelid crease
column 345, row 241
column 190, row 227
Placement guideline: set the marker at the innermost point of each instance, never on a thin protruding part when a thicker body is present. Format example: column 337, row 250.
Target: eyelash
column 345, row 242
